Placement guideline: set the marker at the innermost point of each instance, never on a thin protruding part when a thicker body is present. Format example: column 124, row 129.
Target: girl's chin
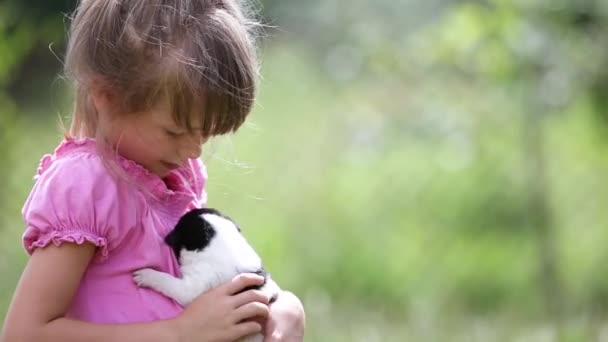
column 162, row 172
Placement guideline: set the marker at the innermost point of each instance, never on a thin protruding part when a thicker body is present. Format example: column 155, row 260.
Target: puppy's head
column 195, row 230
column 205, row 239
column 192, row 232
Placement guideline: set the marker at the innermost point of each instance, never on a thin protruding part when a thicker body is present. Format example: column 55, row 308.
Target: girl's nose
column 194, row 152
column 193, row 147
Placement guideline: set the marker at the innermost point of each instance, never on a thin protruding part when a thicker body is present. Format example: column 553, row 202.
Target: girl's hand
column 224, row 314
column 286, row 321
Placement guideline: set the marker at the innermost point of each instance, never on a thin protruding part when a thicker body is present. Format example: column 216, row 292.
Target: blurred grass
column 387, row 227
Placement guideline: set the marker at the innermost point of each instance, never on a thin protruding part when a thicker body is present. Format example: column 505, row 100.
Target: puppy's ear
column 173, row 238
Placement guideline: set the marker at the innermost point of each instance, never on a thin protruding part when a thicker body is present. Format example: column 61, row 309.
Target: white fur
column 227, row 255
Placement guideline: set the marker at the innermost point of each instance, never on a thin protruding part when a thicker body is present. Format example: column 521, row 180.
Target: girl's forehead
column 164, row 114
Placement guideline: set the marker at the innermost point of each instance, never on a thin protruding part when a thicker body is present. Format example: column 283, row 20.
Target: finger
column 263, row 321
column 269, row 330
column 250, row 296
column 251, row 310
column 242, row 281
column 245, row 329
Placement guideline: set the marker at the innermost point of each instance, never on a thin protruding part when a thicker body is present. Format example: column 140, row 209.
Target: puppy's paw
column 146, row 277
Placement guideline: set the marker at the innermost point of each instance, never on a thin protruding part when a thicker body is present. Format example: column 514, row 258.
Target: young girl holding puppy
column 154, row 79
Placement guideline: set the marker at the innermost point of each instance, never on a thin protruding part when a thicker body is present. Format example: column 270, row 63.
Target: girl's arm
column 53, row 275
column 44, row 293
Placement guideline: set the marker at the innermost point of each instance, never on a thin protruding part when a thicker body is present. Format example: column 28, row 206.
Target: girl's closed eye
column 174, row 133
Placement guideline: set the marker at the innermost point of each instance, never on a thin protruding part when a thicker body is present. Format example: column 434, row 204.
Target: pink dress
column 76, row 199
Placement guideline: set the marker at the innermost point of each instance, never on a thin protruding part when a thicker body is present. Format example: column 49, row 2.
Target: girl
column 154, row 79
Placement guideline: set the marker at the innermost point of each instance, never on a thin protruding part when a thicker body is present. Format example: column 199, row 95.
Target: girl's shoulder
column 76, row 198
column 73, row 161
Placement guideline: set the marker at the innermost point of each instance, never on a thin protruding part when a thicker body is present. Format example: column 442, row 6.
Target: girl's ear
column 103, row 97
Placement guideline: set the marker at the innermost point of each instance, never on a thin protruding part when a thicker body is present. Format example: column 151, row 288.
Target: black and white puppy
column 211, row 251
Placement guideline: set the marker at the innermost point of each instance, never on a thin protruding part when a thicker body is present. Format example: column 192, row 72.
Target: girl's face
column 152, row 138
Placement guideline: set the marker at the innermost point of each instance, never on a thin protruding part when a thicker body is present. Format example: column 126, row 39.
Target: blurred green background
column 414, row 170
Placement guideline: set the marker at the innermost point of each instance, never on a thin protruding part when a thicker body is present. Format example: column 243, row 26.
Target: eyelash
column 174, row 134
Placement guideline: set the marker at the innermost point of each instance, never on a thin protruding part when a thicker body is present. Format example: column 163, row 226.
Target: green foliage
column 388, row 174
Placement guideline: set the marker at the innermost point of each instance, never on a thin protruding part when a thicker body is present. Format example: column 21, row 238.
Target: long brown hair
column 199, row 54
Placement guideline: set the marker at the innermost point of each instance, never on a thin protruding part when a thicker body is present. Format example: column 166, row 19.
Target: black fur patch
column 192, row 232
column 215, row 212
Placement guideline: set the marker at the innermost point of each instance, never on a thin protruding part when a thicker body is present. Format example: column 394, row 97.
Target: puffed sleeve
column 77, row 200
